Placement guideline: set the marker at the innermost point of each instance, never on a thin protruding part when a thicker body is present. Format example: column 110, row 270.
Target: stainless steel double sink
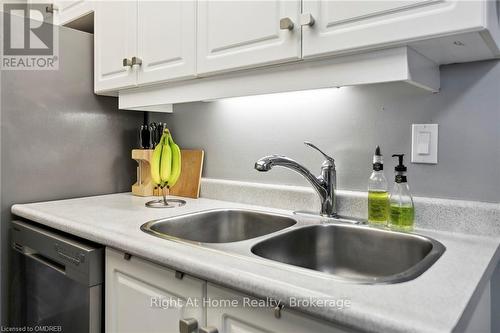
column 348, row 252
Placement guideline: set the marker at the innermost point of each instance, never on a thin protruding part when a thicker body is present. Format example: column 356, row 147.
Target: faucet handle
column 328, row 158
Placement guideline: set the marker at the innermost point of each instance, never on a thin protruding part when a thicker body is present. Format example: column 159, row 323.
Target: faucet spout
column 268, row 162
column 324, row 185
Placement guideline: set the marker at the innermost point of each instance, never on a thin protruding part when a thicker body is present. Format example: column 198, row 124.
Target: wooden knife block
column 189, row 181
column 144, row 186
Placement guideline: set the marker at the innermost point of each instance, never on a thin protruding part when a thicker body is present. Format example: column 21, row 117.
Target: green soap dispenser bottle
column 401, row 210
column 378, row 197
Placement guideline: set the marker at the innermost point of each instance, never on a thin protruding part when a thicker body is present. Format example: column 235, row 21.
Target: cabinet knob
column 286, row 23
column 306, row 19
column 188, row 325
column 51, row 8
column 209, row 329
column 127, row 62
column 136, row 61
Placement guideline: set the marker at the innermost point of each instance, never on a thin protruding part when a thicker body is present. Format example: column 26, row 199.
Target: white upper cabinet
column 341, row 26
column 65, row 5
column 242, row 34
column 69, row 10
column 115, row 41
column 166, row 40
column 199, row 42
column 141, row 42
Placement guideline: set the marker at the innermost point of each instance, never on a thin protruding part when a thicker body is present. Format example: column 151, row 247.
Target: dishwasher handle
column 46, row 261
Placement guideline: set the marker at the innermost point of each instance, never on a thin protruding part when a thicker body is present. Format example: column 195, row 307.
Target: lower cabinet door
column 240, row 317
column 144, row 297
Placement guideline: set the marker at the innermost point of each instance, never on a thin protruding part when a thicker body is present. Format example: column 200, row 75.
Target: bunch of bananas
column 166, row 161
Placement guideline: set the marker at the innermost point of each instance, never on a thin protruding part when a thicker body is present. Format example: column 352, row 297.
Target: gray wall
column 349, row 122
column 58, row 139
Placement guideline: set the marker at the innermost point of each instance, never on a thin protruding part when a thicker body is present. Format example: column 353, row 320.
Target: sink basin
column 353, row 253
column 218, row 226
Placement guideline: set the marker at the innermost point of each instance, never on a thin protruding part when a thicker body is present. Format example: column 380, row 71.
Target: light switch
column 424, row 143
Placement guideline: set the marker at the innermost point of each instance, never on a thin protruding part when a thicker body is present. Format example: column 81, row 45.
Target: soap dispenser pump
column 401, row 209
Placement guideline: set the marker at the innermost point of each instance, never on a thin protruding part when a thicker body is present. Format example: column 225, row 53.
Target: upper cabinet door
column 166, row 40
column 242, row 34
column 67, row 5
column 70, row 10
column 341, row 26
column 115, row 39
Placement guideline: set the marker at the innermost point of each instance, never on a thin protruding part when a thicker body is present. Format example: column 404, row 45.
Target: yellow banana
column 176, row 163
column 155, row 163
column 166, row 158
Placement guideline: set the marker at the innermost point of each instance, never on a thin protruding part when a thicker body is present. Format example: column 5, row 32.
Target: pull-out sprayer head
column 264, row 164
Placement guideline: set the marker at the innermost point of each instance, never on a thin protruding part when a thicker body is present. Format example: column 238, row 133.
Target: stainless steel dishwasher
column 59, row 280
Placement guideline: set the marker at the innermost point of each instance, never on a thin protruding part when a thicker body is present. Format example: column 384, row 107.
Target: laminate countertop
column 436, row 301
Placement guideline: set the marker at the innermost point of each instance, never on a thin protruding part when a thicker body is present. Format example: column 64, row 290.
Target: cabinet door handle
column 209, row 329
column 188, row 325
column 127, row 62
column 286, row 23
column 136, row 61
column 306, row 19
column 277, row 311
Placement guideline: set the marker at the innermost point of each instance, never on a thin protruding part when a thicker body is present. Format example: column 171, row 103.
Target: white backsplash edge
column 470, row 217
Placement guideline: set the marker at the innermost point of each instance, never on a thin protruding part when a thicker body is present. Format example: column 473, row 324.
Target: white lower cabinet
column 134, row 290
column 142, row 296
column 252, row 319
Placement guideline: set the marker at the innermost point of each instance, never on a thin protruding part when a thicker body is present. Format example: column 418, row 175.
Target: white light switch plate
column 424, row 143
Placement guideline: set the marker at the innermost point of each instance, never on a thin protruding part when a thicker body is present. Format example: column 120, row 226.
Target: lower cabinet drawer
column 243, row 317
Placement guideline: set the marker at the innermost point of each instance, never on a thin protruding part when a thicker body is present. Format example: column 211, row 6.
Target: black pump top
column 400, row 167
column 377, row 151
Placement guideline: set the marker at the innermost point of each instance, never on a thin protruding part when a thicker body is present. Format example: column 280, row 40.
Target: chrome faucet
column 325, row 184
